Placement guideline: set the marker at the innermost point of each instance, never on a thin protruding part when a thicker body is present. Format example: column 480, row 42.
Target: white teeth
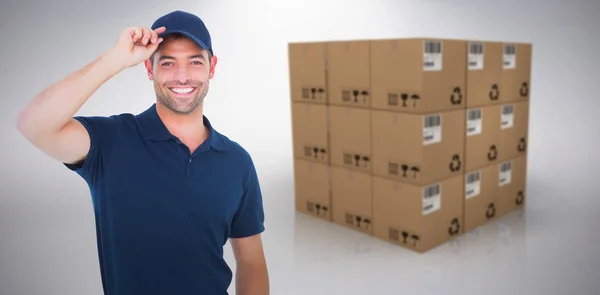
column 182, row 90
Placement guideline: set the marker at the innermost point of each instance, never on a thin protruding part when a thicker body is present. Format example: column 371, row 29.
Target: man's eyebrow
column 163, row 57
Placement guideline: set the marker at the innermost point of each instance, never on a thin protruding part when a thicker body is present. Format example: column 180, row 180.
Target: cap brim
column 198, row 41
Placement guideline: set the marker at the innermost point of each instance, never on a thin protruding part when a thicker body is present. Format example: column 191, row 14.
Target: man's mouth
column 182, row 90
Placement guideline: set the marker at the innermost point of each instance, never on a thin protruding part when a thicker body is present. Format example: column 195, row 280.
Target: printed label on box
column 432, row 198
column 510, row 57
column 432, row 56
column 475, row 59
column 505, row 173
column 474, row 122
column 508, row 116
column 432, row 129
column 473, row 185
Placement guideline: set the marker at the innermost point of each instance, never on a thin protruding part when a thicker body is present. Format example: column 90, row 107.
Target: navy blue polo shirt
column 162, row 214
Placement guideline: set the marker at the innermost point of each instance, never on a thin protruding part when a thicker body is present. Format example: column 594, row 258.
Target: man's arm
column 47, row 121
column 248, row 224
column 252, row 277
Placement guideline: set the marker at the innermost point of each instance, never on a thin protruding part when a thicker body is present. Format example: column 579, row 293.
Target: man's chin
column 182, row 106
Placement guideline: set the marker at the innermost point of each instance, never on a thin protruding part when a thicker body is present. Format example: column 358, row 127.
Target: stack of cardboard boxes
column 412, row 141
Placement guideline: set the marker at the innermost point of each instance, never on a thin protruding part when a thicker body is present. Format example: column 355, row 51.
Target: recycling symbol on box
column 524, row 89
column 520, row 198
column 494, row 93
column 456, row 96
column 493, row 153
column 522, row 145
column 491, row 211
column 454, row 227
column 455, row 163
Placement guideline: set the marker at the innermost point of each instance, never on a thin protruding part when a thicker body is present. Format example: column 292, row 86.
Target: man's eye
column 197, row 62
column 167, row 64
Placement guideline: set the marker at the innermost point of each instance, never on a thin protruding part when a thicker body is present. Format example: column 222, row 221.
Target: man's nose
column 182, row 74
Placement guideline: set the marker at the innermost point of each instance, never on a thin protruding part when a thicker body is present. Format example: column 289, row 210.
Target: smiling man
column 168, row 190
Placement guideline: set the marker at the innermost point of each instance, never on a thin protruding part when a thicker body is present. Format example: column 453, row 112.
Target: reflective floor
column 548, row 248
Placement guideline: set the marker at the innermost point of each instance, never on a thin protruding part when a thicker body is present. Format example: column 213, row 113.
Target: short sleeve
column 249, row 218
column 102, row 132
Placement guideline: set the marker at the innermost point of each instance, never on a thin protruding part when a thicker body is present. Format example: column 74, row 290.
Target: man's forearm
column 52, row 108
column 252, row 279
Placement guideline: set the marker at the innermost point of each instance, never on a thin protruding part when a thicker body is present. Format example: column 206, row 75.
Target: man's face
column 181, row 71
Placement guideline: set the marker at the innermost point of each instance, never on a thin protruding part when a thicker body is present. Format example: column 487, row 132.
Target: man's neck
column 189, row 128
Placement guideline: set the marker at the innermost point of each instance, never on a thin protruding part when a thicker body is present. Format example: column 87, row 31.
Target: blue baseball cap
column 187, row 24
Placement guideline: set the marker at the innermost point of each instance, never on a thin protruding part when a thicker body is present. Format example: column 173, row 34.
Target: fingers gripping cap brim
column 198, row 41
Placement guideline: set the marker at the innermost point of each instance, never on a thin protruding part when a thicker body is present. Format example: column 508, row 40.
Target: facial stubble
column 168, row 99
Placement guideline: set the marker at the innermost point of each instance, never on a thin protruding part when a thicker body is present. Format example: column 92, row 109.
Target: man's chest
column 167, row 189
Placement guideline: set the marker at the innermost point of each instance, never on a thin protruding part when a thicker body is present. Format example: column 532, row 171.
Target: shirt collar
column 155, row 130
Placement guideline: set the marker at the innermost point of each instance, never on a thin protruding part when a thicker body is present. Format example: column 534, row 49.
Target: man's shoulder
column 237, row 151
column 235, row 148
column 241, row 160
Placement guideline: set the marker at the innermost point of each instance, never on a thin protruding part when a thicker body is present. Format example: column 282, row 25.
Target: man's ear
column 148, row 65
column 213, row 64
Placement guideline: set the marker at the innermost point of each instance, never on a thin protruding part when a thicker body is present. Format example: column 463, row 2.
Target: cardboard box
column 483, row 136
column 307, row 62
column 484, row 73
column 516, row 74
column 481, row 198
column 511, row 185
column 310, row 133
column 418, row 75
column 514, row 130
column 418, row 149
column 312, row 189
column 348, row 73
column 351, row 196
column 350, row 138
column 419, row 218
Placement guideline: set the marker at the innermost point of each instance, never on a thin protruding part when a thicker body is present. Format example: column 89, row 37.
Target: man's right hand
column 135, row 45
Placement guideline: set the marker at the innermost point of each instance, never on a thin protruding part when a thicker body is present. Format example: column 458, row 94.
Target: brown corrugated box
column 310, row 133
column 514, row 129
column 516, row 74
column 307, row 61
column 418, row 75
column 351, row 196
column 350, row 138
column 418, row 217
column 511, row 184
column 418, row 149
column 483, row 140
column 484, row 73
column 348, row 73
column 481, row 203
column 312, row 188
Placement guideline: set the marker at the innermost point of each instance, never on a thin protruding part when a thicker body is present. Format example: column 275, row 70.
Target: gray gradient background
column 47, row 237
